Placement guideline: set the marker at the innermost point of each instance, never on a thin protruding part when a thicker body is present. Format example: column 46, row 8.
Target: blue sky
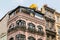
column 7, row 5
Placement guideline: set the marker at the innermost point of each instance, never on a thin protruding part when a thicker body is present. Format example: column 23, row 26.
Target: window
column 58, row 37
column 21, row 23
column 50, row 37
column 58, row 29
column 38, row 16
column 20, row 37
column 11, row 38
column 31, row 25
column 47, row 24
column 31, row 38
column 24, row 10
column 11, row 26
column 47, row 37
column 53, row 38
column 58, row 18
column 49, row 14
column 12, row 14
column 40, row 28
column 51, row 25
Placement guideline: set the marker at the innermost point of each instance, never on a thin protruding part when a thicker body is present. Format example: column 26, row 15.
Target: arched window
column 31, row 38
column 11, row 26
column 21, row 22
column 20, row 37
column 40, row 28
column 11, row 38
column 31, row 25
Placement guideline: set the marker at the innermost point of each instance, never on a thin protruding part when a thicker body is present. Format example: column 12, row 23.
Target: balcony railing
column 23, row 28
column 20, row 27
column 9, row 30
column 50, row 29
column 33, row 30
column 51, row 17
column 17, row 28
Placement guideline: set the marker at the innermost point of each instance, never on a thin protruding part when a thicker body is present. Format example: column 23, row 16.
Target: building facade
column 50, row 22
column 3, row 27
column 57, row 25
column 26, row 24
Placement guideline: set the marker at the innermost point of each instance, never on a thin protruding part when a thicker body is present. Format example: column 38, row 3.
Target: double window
column 21, row 23
column 31, row 25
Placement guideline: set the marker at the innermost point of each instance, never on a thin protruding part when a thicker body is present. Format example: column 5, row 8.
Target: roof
column 18, row 8
column 26, row 8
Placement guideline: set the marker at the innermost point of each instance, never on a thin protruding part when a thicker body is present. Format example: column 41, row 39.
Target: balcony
column 32, row 30
column 20, row 27
column 52, row 30
column 17, row 28
column 40, row 32
column 50, row 18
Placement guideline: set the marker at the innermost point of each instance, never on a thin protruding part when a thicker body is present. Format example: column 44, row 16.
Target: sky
column 7, row 5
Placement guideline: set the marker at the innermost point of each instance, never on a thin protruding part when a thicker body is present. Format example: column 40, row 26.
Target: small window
column 58, row 19
column 40, row 28
column 11, row 26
